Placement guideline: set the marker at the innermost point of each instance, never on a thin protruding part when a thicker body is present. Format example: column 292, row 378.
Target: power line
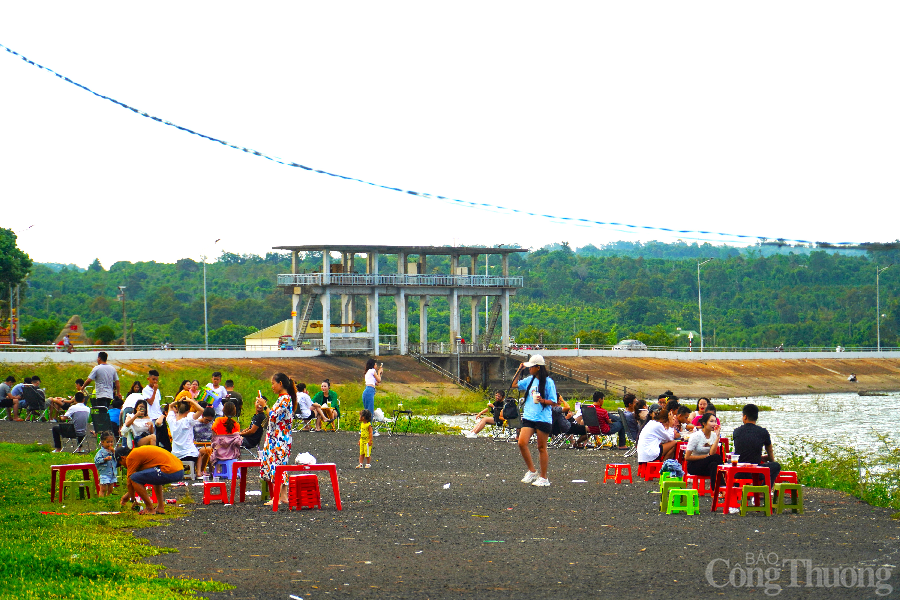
column 582, row 222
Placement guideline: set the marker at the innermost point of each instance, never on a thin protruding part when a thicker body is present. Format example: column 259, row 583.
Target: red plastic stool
column 699, row 483
column 303, row 492
column 215, row 490
column 617, row 472
column 651, row 470
column 786, row 477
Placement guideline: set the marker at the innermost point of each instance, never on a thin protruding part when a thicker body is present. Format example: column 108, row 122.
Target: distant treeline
column 759, row 296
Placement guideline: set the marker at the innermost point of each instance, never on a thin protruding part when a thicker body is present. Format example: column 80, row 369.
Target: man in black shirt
column 750, row 439
column 233, row 396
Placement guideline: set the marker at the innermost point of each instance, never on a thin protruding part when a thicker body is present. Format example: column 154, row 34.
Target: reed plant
column 873, row 477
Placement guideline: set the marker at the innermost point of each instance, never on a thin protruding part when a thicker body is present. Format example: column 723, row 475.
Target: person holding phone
column 540, row 398
column 372, row 378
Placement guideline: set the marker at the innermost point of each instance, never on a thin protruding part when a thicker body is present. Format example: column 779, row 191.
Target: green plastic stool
column 683, row 499
column 84, row 487
column 796, row 504
column 666, row 475
column 667, row 486
column 763, row 491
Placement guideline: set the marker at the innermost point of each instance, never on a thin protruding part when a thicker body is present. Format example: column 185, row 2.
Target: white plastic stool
column 188, row 465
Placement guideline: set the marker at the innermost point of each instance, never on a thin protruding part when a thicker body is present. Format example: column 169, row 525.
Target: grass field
column 74, row 556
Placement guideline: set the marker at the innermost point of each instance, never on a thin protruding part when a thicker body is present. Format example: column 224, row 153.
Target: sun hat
column 536, row 360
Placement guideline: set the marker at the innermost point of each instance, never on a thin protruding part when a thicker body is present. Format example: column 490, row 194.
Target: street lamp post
column 205, row 319
column 700, row 301
column 878, row 301
column 49, row 297
column 121, row 297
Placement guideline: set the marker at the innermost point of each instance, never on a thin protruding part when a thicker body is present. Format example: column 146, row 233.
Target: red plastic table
column 730, row 472
column 85, row 468
column 241, row 466
column 280, row 470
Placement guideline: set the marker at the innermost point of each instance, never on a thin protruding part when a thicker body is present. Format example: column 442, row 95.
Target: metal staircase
column 444, row 372
column 491, row 324
column 305, row 316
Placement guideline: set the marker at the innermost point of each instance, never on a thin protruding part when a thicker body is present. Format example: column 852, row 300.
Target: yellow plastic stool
column 685, row 500
column 667, row 476
column 763, row 490
column 796, row 504
column 667, row 486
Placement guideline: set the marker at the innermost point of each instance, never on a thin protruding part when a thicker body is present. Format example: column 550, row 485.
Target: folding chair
column 101, row 422
column 592, row 425
column 302, row 424
column 71, row 439
column 630, row 441
column 35, row 404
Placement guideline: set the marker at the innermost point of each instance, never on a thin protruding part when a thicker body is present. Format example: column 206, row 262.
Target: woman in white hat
column 537, row 417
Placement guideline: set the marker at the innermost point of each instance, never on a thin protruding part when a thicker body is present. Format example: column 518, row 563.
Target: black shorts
column 537, row 425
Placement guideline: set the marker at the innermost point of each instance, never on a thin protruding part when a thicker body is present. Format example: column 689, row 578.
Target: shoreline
column 739, row 378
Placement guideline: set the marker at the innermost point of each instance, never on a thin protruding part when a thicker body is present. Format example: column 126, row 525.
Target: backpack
column 510, row 410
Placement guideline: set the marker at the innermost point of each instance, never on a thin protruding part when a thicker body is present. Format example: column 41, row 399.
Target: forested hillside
column 798, row 298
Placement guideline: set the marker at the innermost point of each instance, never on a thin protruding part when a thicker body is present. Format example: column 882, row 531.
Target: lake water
column 845, row 419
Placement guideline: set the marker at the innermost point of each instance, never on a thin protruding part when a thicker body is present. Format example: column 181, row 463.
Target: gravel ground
column 402, row 534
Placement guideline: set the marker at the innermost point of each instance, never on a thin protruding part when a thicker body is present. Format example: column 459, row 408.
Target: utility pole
column 124, row 322
column 699, row 301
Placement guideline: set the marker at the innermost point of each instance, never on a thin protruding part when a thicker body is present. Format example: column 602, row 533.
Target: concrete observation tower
column 405, row 281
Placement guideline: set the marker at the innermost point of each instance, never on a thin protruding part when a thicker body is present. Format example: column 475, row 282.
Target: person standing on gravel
column 106, row 382
column 277, row 449
column 373, row 378
column 540, row 398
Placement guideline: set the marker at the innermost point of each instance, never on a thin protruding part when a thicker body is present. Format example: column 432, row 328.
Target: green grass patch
column 873, row 477
column 75, row 556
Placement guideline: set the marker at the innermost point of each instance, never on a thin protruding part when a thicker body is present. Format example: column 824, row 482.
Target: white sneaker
column 541, row 482
column 530, row 476
column 471, row 435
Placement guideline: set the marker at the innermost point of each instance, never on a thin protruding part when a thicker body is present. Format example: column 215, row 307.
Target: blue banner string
column 582, row 222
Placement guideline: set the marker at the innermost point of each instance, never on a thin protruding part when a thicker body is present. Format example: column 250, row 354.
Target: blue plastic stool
column 223, row 469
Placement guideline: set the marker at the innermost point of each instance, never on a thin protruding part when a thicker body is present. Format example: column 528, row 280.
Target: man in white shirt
column 216, row 392
column 152, row 395
column 79, row 414
column 106, row 381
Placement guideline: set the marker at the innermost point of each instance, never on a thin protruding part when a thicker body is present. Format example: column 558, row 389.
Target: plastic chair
column 796, row 504
column 215, row 490
column 618, row 473
column 222, row 468
column 700, row 483
column 303, row 492
column 685, row 500
column 759, row 491
column 651, row 470
column 667, row 486
column 189, row 466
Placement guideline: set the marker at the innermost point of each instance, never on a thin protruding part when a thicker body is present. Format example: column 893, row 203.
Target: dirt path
column 403, row 535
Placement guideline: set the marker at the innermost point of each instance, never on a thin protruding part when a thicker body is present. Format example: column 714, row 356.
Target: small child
column 114, row 412
column 106, row 463
column 365, row 439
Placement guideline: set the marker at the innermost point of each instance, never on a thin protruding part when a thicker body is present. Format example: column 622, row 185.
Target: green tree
column 15, row 265
column 105, row 334
column 42, row 331
column 230, row 334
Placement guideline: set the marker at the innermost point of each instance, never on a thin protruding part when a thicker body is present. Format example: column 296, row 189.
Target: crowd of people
column 153, row 438
column 657, row 430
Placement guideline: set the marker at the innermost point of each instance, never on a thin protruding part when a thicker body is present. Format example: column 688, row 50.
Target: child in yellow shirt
column 365, row 439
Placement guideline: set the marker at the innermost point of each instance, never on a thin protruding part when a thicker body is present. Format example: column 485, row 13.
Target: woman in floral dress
column 277, row 448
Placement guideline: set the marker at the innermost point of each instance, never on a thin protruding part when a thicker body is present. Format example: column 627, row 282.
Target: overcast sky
column 776, row 119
